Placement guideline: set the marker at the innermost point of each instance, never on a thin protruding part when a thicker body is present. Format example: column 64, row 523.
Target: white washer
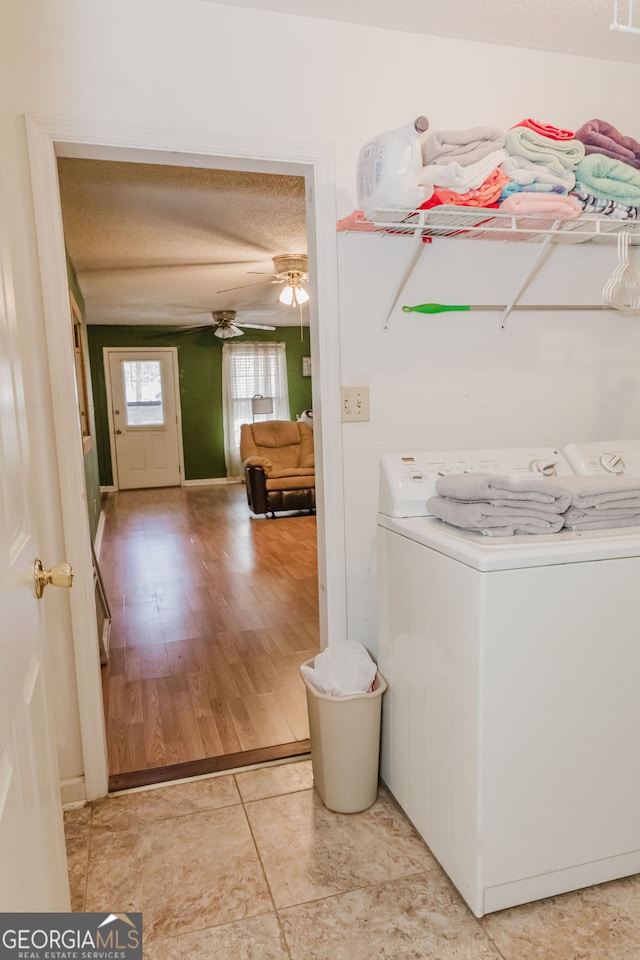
column 511, row 723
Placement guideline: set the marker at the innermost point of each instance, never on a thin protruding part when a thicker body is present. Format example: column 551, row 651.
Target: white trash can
column 345, row 745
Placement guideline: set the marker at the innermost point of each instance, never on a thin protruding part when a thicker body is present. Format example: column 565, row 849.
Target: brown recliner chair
column 277, row 456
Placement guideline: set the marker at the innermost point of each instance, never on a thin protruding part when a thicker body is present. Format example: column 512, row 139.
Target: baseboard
column 73, row 793
column 208, row 483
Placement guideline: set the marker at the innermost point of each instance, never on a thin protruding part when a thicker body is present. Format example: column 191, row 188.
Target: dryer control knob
column 546, row 468
column 612, row 463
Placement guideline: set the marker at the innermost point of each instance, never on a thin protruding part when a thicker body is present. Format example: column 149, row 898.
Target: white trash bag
column 342, row 669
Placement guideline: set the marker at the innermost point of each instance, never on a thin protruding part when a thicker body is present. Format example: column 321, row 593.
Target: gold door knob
column 59, row 576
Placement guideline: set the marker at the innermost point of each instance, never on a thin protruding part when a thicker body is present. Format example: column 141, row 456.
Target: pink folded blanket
column 599, row 136
column 551, row 206
column 546, row 129
column 487, row 192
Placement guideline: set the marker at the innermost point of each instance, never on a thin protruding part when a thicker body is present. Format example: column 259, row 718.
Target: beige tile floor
column 252, row 866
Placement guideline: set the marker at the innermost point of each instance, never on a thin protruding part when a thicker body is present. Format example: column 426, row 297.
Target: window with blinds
column 250, row 369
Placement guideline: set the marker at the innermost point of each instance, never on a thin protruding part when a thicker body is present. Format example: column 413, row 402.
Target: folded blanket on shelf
column 512, row 187
column 355, row 221
column 599, row 136
column 604, row 177
column 491, row 520
column 461, row 179
column 550, row 206
column 604, row 207
column 435, row 202
column 463, row 146
column 489, row 192
column 494, row 488
column 527, row 171
column 600, row 491
column 546, row 129
column 558, row 155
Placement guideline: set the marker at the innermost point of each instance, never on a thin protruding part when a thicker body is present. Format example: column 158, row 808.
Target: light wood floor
column 213, row 611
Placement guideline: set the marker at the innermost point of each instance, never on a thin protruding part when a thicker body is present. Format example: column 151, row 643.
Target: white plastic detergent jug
column 389, row 170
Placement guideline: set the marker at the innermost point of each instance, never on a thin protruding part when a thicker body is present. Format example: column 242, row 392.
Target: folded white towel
column 464, row 146
column 557, row 155
column 602, row 515
column 494, row 487
column 603, row 523
column 598, row 491
column 454, row 176
column 525, row 172
column 493, row 521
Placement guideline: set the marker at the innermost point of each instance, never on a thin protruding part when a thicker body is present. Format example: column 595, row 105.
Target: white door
column 146, row 444
column 33, row 872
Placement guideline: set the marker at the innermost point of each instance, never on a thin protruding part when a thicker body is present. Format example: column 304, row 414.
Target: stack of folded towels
column 600, row 503
column 608, row 178
column 499, row 506
column 484, row 167
column 541, row 166
column 535, row 169
column 461, row 166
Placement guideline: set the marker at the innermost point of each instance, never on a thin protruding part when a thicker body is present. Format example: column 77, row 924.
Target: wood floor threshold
column 198, row 768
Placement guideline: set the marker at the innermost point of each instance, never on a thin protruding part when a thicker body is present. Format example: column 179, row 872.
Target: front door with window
column 144, row 417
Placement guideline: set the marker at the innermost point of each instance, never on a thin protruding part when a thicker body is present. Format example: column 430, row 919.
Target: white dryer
column 615, row 458
column 511, row 723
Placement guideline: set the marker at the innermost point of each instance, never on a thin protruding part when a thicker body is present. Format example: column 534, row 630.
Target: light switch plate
column 355, row 404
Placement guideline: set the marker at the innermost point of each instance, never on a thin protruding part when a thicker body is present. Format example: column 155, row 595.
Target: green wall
column 200, row 367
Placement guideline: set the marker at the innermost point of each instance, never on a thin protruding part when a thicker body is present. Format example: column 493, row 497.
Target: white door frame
column 52, row 138
column 173, row 353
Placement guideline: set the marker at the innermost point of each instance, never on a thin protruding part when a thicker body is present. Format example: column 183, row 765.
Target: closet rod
column 498, row 307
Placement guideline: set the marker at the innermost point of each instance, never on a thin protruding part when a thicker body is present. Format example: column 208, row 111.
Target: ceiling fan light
column 225, row 333
column 293, row 293
column 286, row 296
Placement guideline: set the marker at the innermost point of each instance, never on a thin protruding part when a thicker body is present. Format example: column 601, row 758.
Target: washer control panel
column 611, row 458
column 407, row 481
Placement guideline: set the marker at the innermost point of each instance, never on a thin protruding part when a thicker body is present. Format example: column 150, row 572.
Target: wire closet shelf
column 481, row 223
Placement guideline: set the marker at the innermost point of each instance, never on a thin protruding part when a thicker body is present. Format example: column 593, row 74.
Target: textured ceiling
column 156, row 244
column 579, row 27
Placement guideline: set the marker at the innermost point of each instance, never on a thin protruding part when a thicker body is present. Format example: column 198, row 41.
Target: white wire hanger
column 622, row 289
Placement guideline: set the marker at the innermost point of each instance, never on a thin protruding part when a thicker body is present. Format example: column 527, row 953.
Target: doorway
column 143, row 406
column 48, row 139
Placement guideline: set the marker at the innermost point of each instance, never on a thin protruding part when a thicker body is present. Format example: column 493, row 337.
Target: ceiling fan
column 225, row 326
column 291, row 271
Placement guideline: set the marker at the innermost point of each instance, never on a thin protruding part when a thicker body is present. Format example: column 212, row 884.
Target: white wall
column 459, row 381
column 448, row 382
